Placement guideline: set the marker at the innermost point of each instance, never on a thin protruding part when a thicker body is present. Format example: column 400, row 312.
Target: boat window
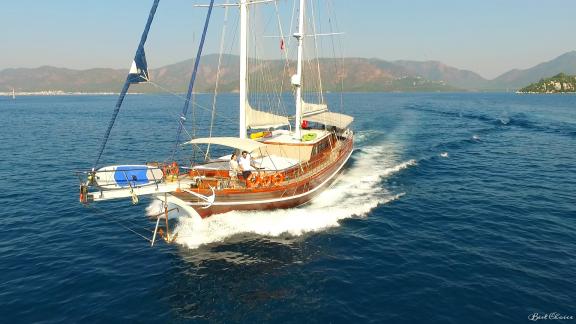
column 320, row 147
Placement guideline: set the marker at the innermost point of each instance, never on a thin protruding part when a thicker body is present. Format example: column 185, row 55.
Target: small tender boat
column 122, row 176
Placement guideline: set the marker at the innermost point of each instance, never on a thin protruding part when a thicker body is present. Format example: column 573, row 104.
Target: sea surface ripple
column 454, row 208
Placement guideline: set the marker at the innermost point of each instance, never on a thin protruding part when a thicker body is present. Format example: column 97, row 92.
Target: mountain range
column 359, row 74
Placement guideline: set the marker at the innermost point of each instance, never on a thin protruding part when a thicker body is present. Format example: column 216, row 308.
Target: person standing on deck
column 234, row 170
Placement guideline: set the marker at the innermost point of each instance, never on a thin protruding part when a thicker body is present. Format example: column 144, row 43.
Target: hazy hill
column 514, row 79
column 52, row 78
column 437, row 71
column 360, row 74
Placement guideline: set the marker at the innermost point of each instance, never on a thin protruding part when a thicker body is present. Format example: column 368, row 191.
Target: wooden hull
column 305, row 183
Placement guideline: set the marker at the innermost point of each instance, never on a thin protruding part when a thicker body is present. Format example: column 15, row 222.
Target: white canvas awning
column 263, row 120
column 331, row 119
column 235, row 142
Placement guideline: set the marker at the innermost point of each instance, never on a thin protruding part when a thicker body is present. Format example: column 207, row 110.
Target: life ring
column 309, row 137
column 277, row 178
column 266, row 180
column 253, row 180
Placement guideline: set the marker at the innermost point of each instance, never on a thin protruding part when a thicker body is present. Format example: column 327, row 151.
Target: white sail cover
column 332, row 119
column 260, row 119
column 244, row 144
column 312, row 109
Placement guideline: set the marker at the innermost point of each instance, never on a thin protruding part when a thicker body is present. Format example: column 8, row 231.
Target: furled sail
column 319, row 113
column 262, row 120
column 235, row 142
column 309, row 109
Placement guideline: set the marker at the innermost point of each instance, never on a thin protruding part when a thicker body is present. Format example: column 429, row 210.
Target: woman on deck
column 234, row 170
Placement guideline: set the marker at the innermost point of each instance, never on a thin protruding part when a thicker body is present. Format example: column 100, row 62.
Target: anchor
column 163, row 215
column 208, row 199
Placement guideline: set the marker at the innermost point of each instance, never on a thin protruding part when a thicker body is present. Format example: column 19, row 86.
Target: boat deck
column 265, row 163
column 287, row 137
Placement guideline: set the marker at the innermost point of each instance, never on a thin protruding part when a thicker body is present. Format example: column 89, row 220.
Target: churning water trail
column 519, row 120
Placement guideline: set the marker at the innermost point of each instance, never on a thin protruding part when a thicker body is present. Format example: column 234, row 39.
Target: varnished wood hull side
column 276, row 197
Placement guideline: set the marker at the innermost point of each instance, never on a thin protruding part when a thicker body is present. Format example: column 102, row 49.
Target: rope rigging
column 267, row 78
column 320, row 89
column 265, row 89
column 192, row 79
column 222, row 38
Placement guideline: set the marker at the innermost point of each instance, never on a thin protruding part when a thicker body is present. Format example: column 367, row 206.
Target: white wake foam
column 356, row 192
column 155, row 208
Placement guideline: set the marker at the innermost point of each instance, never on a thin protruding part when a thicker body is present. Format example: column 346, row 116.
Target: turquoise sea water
column 455, row 208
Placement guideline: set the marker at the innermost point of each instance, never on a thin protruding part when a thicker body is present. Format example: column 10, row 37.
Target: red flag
column 282, row 44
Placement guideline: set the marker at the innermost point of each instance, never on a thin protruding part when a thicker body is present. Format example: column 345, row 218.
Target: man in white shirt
column 246, row 165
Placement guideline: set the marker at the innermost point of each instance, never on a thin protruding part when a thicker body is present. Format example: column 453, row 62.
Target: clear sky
column 488, row 37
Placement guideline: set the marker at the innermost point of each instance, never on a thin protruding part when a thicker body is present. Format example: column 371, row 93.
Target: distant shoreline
column 57, row 93
column 66, row 93
column 545, row 93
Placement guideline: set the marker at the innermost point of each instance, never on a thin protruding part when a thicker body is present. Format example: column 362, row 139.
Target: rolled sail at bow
column 139, row 69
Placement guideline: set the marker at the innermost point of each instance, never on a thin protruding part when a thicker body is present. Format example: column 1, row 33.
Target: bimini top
column 235, row 142
column 332, row 119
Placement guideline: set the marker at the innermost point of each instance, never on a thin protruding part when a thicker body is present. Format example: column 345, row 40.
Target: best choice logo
column 549, row 316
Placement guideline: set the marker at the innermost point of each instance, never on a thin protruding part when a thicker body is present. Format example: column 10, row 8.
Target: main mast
column 243, row 63
column 297, row 78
